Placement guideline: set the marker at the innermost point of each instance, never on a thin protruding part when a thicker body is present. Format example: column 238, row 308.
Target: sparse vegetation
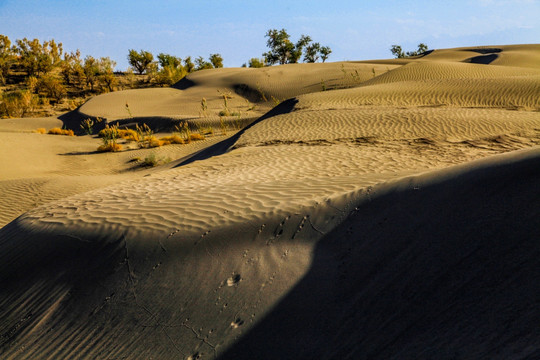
column 283, row 51
column 58, row 131
column 88, row 126
column 397, row 51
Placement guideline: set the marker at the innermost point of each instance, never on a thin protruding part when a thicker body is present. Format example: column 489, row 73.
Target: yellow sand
column 384, row 209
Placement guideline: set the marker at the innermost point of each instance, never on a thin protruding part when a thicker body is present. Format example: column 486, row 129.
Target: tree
column 280, row 47
column 312, row 53
column 296, row 53
column 91, row 71
column 7, row 58
column 202, row 64
column 37, row 58
column 106, row 73
column 216, row 60
column 397, row 51
column 189, row 65
column 169, row 60
column 283, row 51
column 325, row 52
column 73, row 71
column 140, row 60
column 256, row 63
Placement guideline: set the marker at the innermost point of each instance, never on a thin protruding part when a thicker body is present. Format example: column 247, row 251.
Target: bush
column 110, row 147
column 41, row 131
column 17, row 103
column 51, row 87
column 58, row 131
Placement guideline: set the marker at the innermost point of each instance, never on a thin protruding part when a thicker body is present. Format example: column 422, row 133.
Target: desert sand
column 385, row 209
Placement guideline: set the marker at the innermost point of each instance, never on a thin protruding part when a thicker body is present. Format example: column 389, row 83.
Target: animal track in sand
column 233, row 280
column 237, row 323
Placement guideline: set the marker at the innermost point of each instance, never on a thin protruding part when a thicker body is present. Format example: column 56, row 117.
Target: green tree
column 202, row 64
column 37, row 58
column 91, row 71
column 140, row 60
column 397, row 51
column 106, row 73
column 7, row 58
column 280, row 47
column 73, row 71
column 256, row 63
column 296, row 53
column 189, row 65
column 216, row 60
column 283, row 51
column 312, row 53
column 325, row 52
column 169, row 60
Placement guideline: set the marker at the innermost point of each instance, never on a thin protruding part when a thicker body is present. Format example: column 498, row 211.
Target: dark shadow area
column 447, row 270
column 482, row 59
column 223, row 146
column 183, row 84
column 485, row 50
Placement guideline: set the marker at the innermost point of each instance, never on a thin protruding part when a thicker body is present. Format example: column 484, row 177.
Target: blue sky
column 355, row 30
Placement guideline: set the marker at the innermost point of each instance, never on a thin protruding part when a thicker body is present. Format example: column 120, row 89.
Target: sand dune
column 387, row 209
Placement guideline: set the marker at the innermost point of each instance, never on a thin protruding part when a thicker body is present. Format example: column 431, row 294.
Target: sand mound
column 376, row 220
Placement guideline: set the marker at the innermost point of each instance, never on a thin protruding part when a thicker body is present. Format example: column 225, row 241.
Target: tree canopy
column 283, row 51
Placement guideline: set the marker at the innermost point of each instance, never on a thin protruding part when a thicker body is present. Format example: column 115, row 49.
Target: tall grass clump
column 88, row 126
column 109, row 137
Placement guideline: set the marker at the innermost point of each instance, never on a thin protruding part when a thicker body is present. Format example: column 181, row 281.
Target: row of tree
column 283, row 51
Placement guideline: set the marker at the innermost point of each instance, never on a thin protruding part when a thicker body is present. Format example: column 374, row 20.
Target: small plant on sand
column 128, row 110
column 204, row 107
column 196, row 136
column 276, row 101
column 226, row 95
column 183, row 129
column 261, row 93
column 173, row 139
column 323, row 85
column 41, row 131
column 223, row 126
column 88, row 126
column 109, row 137
column 58, row 131
column 143, row 130
column 150, row 160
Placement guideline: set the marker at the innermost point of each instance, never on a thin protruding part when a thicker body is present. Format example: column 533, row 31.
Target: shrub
column 150, row 160
column 41, row 131
column 173, row 139
column 110, row 147
column 109, row 136
column 17, row 103
column 58, row 131
column 196, row 137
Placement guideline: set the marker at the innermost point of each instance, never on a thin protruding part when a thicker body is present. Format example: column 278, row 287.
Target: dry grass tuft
column 58, row 131
column 41, row 131
column 173, row 139
column 112, row 147
column 196, row 137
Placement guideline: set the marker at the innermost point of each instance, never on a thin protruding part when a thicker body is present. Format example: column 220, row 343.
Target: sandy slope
column 360, row 222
